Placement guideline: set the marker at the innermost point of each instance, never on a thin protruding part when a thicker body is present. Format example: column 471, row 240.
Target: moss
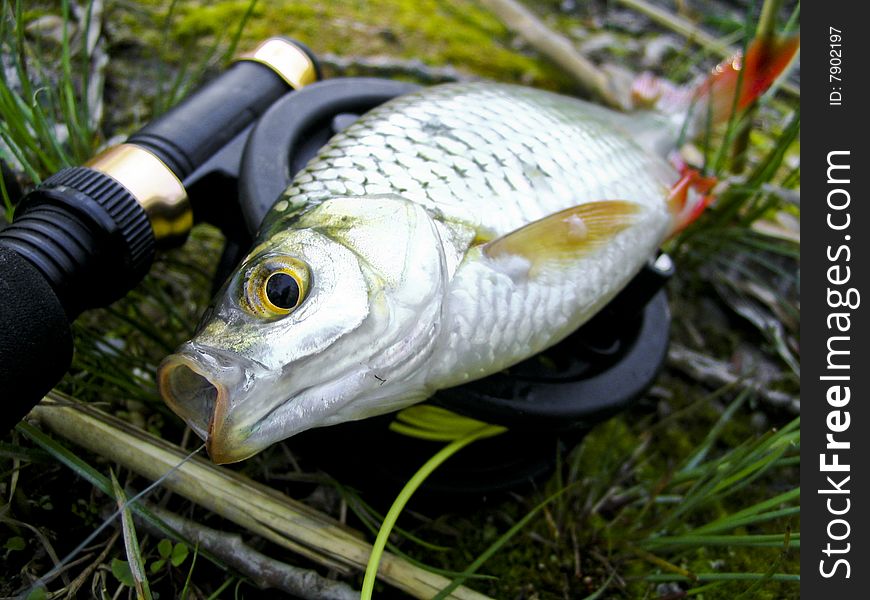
column 210, row 19
column 458, row 33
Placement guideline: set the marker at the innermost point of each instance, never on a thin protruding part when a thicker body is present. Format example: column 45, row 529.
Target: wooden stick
column 263, row 571
column 556, row 47
column 682, row 26
column 257, row 507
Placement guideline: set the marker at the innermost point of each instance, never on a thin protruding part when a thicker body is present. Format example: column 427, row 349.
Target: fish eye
column 282, row 290
column 276, row 286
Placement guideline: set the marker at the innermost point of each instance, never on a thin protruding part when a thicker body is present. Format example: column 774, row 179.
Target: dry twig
column 715, row 373
column 265, row 572
column 388, row 66
column 73, row 588
column 693, row 33
column 256, row 507
column 557, row 48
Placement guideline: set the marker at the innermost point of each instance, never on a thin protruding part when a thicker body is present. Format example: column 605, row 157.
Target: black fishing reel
column 224, row 156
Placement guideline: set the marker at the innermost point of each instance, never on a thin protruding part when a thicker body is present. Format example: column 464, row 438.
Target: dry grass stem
column 557, row 48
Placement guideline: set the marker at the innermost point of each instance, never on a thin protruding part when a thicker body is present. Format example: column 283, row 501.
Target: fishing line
column 42, row 581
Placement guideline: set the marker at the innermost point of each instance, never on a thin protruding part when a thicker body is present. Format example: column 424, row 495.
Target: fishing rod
column 87, row 235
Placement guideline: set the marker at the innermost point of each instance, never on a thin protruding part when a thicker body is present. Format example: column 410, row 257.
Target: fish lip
column 186, row 380
column 180, row 366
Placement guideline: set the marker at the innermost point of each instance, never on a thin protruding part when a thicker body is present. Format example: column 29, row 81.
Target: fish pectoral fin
column 566, row 235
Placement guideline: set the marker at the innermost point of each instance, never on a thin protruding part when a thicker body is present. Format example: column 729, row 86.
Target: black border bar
column 835, row 226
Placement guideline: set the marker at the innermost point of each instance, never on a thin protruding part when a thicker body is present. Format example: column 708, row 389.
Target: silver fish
column 442, row 237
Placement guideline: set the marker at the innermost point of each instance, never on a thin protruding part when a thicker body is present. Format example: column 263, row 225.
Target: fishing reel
column 223, row 156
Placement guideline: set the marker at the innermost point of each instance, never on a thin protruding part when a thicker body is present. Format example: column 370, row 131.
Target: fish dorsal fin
column 566, row 235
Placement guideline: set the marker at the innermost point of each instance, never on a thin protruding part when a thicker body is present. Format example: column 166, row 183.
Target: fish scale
column 492, row 144
column 404, row 299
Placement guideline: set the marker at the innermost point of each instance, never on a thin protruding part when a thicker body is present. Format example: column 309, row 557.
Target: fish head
column 329, row 319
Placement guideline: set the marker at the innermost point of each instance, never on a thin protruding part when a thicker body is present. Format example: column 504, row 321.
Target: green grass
column 626, row 506
column 33, row 101
column 682, row 490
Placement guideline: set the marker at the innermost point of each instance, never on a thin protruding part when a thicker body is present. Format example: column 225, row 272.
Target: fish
column 444, row 236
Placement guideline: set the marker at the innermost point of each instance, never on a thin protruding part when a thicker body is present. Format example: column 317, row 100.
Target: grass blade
column 131, row 543
column 405, row 494
column 261, row 510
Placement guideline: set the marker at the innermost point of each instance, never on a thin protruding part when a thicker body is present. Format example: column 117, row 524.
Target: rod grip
column 35, row 340
column 205, row 121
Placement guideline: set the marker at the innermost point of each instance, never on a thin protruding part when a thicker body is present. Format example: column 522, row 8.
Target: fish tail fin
column 689, row 197
column 736, row 83
column 732, row 86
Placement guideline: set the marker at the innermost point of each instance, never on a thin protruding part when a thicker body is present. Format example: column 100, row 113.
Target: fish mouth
column 234, row 404
column 198, row 385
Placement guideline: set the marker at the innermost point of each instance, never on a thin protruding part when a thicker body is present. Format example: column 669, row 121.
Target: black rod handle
column 205, row 121
column 35, row 341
